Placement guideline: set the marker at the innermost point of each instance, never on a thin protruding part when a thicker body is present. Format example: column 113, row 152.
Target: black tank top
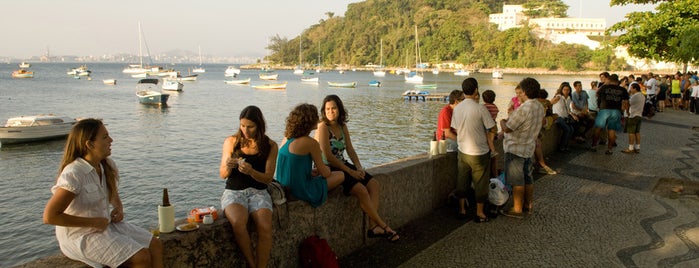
column 240, row 181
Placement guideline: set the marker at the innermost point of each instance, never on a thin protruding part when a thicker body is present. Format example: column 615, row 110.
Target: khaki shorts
column 633, row 125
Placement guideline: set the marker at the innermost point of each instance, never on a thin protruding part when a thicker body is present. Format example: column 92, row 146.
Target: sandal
column 372, row 234
column 392, row 236
column 480, row 219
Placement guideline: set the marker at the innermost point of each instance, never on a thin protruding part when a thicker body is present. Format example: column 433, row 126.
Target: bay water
column 179, row 146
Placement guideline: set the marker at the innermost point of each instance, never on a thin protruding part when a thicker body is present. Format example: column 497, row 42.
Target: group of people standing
column 472, row 125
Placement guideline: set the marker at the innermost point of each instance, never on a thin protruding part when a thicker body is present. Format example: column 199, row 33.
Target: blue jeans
column 567, row 133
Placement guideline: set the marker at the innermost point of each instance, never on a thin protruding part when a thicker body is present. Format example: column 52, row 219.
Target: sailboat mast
column 140, row 50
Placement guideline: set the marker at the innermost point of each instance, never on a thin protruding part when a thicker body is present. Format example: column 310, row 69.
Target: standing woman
column 86, row 229
column 248, row 162
column 299, row 154
column 334, row 138
column 561, row 106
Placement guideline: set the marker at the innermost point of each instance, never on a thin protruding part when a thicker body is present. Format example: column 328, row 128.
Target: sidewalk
column 599, row 211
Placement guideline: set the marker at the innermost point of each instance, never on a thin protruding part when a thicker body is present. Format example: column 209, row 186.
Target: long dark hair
column 254, row 114
column 76, row 146
column 342, row 117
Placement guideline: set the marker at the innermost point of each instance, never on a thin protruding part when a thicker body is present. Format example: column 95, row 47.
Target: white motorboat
column 232, row 71
column 497, row 74
column 25, row 65
column 173, row 85
column 80, row 71
column 109, row 81
column 462, row 73
column 35, row 128
column 238, row 81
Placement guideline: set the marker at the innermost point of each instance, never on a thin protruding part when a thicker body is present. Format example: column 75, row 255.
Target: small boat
column 310, row 79
column 189, row 78
column 172, row 85
column 80, row 71
column 374, row 83
column 497, row 74
column 429, row 86
column 141, row 75
column 22, row 73
column 380, row 73
column 336, row 84
column 232, row 71
column 35, row 128
column 25, row 65
column 412, row 92
column 462, row 72
column 413, row 77
column 298, row 70
column 109, row 81
column 198, row 70
column 148, row 95
column 435, row 71
column 267, row 76
column 238, row 82
column 271, row 86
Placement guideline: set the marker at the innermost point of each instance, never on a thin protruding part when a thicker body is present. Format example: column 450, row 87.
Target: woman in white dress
column 86, row 229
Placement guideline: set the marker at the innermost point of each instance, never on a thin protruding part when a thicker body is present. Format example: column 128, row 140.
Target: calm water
column 179, row 147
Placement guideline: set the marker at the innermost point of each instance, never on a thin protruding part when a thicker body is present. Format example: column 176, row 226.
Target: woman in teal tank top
column 297, row 156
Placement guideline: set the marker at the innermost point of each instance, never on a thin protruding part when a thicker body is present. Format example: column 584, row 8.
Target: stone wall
column 410, row 188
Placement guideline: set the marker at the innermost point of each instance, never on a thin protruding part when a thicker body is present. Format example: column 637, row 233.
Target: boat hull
column 152, row 98
column 348, row 85
column 44, row 128
column 238, row 82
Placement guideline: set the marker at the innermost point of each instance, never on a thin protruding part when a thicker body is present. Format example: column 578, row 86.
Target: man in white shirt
column 634, row 118
column 652, row 89
column 472, row 123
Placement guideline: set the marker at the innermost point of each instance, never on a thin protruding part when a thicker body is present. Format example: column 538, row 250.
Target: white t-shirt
column 636, row 102
column 471, row 121
column 651, row 86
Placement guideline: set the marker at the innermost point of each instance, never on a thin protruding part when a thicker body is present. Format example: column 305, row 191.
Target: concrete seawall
column 410, row 188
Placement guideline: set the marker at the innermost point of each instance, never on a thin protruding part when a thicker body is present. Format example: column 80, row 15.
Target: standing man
column 472, row 123
column 652, row 90
column 521, row 130
column 611, row 99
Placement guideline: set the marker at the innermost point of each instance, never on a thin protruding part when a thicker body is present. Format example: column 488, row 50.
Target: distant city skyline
column 222, row 29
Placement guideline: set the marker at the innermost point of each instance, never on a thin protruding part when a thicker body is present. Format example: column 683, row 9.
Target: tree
column 666, row 34
column 545, row 8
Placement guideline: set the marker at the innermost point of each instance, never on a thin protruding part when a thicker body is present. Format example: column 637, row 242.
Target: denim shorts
column 609, row 118
column 252, row 199
column 518, row 170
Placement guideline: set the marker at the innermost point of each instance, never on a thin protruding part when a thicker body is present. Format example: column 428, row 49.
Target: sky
column 221, row 27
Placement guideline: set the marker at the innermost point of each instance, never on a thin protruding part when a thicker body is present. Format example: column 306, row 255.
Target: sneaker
column 549, row 171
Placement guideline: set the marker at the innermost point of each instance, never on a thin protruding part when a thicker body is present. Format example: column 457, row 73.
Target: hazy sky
column 221, row 27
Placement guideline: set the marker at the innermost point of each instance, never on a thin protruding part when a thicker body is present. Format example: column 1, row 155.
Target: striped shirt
column 525, row 123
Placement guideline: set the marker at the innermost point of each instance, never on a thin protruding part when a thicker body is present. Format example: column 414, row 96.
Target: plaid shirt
column 525, row 123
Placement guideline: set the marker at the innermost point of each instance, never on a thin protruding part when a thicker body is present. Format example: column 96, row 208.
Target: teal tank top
column 294, row 171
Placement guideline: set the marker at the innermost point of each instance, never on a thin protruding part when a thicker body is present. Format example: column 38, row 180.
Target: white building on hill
column 557, row 30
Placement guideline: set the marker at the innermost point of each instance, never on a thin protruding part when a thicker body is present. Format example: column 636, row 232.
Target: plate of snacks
column 187, row 227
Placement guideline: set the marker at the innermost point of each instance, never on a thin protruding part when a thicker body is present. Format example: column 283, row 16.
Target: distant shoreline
column 532, row 71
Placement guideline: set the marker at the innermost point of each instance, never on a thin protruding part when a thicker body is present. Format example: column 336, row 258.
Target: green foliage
column 448, row 30
column 664, row 34
column 545, row 8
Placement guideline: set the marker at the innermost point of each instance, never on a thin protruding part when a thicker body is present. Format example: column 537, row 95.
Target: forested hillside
column 448, row 30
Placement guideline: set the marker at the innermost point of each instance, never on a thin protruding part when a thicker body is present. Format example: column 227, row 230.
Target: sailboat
column 199, row 69
column 415, row 77
column 137, row 69
column 298, row 70
column 380, row 72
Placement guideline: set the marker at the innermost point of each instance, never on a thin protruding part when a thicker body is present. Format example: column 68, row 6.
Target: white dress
column 111, row 247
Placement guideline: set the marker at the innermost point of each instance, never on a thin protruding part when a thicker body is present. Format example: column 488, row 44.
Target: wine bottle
column 443, row 144
column 434, row 146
